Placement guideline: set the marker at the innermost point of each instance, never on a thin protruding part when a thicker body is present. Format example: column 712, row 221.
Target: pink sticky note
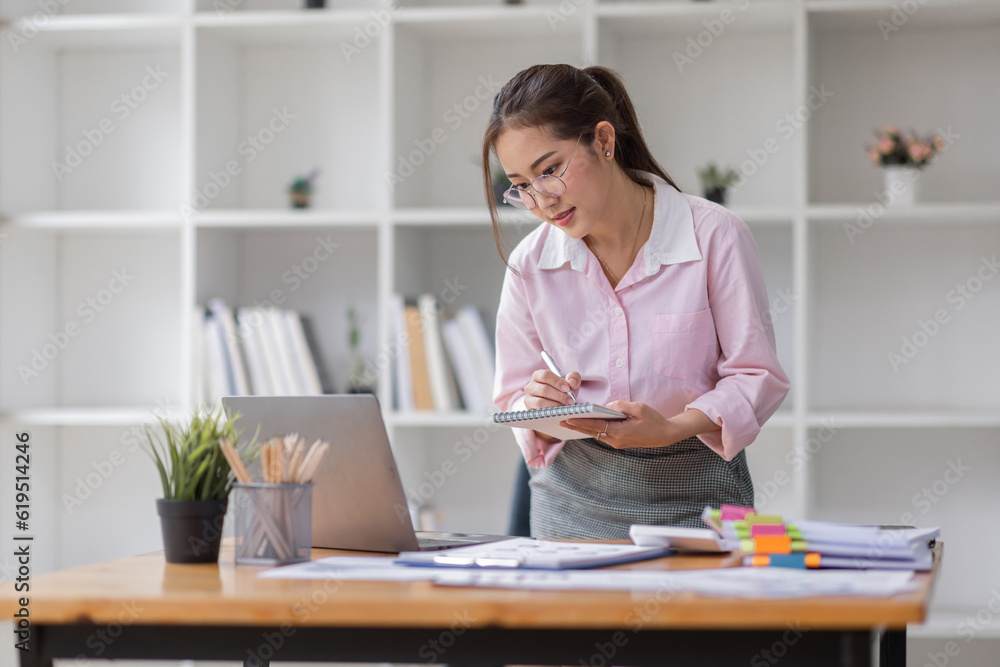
column 735, row 512
column 759, row 529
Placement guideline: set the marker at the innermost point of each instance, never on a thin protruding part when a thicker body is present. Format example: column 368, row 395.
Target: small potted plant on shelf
column 196, row 482
column 358, row 382
column 902, row 155
column 301, row 189
column 715, row 181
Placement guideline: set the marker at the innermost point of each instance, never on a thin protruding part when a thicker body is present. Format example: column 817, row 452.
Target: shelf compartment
column 316, row 271
column 86, row 313
column 774, row 245
column 920, row 339
column 691, row 99
column 447, row 74
column 463, row 474
column 91, row 120
column 775, row 479
column 935, row 65
column 268, row 96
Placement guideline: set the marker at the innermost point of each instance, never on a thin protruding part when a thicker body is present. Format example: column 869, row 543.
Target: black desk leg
column 35, row 656
column 892, row 649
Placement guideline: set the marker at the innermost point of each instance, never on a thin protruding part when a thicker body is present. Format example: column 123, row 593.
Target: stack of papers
column 769, row 541
column 742, row 582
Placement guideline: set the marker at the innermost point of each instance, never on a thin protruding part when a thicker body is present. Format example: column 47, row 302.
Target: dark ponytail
column 567, row 102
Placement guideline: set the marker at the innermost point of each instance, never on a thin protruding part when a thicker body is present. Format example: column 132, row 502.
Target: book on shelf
column 234, row 361
column 216, row 374
column 437, row 365
column 464, row 365
column 254, row 351
column 422, row 397
column 315, row 354
column 481, row 344
column 402, row 379
column 307, row 372
column 253, row 347
column 448, row 360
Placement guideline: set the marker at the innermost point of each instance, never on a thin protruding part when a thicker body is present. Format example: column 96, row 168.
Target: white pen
column 551, row 363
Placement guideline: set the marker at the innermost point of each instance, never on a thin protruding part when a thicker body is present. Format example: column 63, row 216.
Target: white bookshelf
column 854, row 440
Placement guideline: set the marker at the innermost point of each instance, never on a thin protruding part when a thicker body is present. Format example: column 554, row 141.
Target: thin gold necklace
column 634, row 242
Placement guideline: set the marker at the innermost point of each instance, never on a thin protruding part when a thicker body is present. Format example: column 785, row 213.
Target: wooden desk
column 141, row 607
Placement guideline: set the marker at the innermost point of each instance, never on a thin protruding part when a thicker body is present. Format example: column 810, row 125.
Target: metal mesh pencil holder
column 273, row 523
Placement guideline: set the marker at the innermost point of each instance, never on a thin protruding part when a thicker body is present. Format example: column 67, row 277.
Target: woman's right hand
column 546, row 390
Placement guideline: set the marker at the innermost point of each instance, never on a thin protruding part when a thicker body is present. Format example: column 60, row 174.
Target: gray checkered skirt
column 592, row 490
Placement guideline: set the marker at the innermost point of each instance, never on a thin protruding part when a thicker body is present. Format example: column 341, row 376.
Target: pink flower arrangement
column 908, row 149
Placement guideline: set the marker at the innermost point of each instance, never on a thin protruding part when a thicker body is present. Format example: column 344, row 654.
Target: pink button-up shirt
column 686, row 327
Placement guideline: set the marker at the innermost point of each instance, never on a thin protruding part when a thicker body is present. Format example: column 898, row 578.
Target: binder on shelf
column 199, row 369
column 255, row 351
column 272, row 362
column 253, row 348
column 235, row 364
column 218, row 375
column 481, row 345
column 286, row 364
column 464, row 365
column 304, row 363
column 422, row 397
column 437, row 365
column 325, row 381
column 403, row 378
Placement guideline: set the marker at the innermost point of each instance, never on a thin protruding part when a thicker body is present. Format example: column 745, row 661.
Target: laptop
column 358, row 501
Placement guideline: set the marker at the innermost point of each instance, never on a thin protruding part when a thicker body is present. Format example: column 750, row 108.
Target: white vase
column 901, row 186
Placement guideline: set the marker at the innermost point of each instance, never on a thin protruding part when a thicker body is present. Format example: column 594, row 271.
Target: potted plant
column 715, row 181
column 358, row 382
column 903, row 155
column 196, row 481
column 301, row 189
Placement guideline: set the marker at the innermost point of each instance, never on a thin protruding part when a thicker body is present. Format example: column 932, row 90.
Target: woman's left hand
column 645, row 427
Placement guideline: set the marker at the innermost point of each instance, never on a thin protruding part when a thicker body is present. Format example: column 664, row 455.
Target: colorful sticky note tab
column 735, row 512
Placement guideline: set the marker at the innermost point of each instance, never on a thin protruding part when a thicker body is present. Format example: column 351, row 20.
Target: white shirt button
column 619, row 363
column 619, row 311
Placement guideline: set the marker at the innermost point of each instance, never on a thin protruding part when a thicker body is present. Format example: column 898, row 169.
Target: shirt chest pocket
column 684, row 344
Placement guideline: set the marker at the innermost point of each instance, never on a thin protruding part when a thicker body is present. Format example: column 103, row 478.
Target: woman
column 653, row 299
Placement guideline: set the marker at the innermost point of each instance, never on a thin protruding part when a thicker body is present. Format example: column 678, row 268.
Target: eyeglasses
column 547, row 185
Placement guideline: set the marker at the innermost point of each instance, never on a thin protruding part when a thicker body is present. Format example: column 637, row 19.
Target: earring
column 607, row 153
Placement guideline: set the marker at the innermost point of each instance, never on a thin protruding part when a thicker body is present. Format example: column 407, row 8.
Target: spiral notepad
column 546, row 420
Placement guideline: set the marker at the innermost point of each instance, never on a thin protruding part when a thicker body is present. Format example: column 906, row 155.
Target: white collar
column 671, row 240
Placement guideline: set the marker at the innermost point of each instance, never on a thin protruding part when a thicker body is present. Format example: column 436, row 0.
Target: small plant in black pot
column 301, row 189
column 715, row 181
column 196, row 480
